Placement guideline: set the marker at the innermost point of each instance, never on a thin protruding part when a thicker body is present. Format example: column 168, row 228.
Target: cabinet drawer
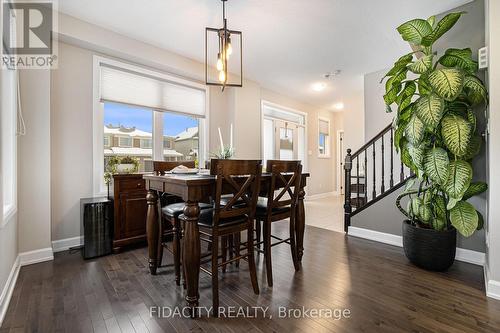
column 132, row 184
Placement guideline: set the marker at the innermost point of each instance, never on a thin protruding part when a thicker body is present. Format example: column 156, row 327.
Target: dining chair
column 241, row 178
column 171, row 207
column 280, row 204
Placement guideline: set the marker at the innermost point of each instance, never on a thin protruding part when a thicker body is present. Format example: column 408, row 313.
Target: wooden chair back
column 241, row 179
column 161, row 167
column 285, row 179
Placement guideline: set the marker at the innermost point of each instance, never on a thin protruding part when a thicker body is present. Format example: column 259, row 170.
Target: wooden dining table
column 194, row 189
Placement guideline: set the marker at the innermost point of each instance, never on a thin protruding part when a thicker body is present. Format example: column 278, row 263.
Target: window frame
column 328, row 139
column 141, row 143
column 120, row 137
column 99, row 187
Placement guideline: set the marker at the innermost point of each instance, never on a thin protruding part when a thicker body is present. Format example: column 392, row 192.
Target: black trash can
column 97, row 226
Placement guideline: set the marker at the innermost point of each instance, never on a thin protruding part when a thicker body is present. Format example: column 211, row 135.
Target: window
column 147, row 115
column 128, row 123
column 147, row 143
column 182, row 136
column 323, row 138
column 8, row 98
column 284, row 133
column 106, row 141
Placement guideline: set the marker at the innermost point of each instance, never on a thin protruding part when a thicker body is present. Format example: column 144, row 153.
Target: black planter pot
column 428, row 248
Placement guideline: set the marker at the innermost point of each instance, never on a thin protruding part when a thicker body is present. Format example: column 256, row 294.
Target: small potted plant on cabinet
column 437, row 137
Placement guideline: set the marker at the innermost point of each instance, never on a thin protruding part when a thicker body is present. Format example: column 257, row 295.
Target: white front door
column 286, row 140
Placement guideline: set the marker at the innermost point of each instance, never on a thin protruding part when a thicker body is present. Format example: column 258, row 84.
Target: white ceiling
column 288, row 44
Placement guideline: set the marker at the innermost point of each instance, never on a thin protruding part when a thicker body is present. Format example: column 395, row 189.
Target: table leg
column 300, row 223
column 152, row 230
column 191, row 253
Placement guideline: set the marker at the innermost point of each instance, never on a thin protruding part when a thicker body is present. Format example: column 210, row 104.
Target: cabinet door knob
column 138, row 184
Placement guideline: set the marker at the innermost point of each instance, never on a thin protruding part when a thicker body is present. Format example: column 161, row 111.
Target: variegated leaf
column 415, row 130
column 430, row 110
column 445, row 24
column 413, row 31
column 475, row 189
column 464, row 218
column 417, row 155
column 459, row 177
column 436, row 164
column 422, row 65
column 473, row 148
column 459, row 58
column 447, row 82
column 456, row 132
column 475, row 90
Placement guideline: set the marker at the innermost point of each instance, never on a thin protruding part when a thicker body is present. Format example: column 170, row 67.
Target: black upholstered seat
column 262, row 208
column 206, row 219
column 176, row 209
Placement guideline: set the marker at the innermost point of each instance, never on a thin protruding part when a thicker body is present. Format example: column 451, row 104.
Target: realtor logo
column 27, row 34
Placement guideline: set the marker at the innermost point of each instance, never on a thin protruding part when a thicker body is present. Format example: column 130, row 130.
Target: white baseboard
column 472, row 257
column 66, row 244
column 33, row 257
column 321, row 195
column 493, row 289
column 6, row 294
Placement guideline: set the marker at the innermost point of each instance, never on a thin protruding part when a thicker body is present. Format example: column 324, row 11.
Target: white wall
column 34, row 162
column 493, row 225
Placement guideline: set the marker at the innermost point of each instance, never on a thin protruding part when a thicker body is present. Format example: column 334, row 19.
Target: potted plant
column 116, row 165
column 436, row 134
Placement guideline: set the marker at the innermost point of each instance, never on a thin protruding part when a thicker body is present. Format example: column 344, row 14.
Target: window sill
column 8, row 214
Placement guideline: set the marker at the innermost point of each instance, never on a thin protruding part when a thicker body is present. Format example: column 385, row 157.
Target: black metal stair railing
column 357, row 182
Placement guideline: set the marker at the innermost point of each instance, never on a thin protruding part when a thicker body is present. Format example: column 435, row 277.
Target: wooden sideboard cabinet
column 130, row 209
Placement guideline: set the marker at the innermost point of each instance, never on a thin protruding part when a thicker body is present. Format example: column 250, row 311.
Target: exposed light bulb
column 220, row 65
column 222, row 76
column 229, row 48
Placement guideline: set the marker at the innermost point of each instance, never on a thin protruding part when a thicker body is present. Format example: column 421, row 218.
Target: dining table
column 193, row 189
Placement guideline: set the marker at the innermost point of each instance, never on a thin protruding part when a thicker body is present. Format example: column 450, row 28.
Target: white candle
column 221, row 142
column 231, row 138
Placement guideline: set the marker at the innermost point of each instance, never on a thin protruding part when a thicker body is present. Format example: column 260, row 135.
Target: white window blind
column 123, row 86
column 324, row 127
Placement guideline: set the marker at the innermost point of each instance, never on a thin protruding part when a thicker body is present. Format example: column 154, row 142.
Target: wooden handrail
column 369, row 143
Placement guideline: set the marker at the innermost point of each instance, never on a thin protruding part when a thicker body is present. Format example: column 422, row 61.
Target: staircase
column 371, row 173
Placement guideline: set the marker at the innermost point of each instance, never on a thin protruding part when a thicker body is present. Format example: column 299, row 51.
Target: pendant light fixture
column 223, row 55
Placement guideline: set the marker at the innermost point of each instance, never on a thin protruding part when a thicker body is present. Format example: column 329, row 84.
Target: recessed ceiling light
column 319, row 86
column 338, row 106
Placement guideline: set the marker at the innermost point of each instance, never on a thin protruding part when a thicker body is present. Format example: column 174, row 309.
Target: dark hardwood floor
column 383, row 292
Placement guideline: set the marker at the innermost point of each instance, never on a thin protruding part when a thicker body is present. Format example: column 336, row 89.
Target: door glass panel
column 286, row 143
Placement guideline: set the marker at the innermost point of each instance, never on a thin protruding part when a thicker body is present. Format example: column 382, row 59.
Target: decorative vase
column 125, row 168
column 428, row 248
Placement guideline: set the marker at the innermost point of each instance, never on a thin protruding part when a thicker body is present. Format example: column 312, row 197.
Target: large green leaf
column 417, row 155
column 473, row 148
column 471, row 117
column 399, row 65
column 436, row 164
column 422, row 65
column 413, row 31
column 425, row 213
column 459, row 177
column 445, row 24
column 456, row 132
column 475, row 90
column 475, row 189
column 415, row 130
column 480, row 222
column 415, row 205
column 406, row 157
column 430, row 110
column 447, row 82
column 440, row 206
column 404, row 98
column 464, row 218
column 438, row 224
column 393, row 87
column 432, row 20
column 459, row 58
column 424, row 86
